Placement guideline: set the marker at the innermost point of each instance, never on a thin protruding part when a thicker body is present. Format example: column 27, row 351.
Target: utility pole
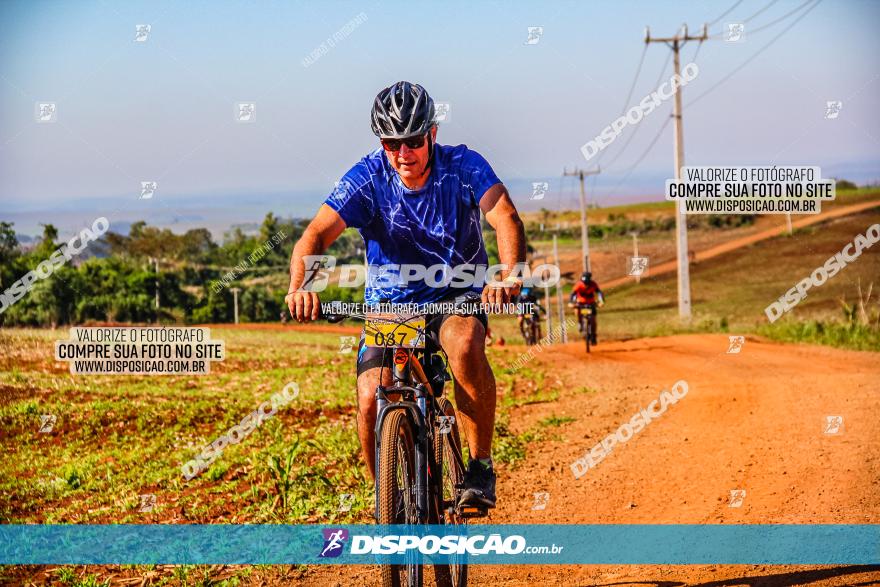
column 585, row 240
column 546, row 298
column 684, row 277
column 559, row 294
column 235, row 291
column 635, row 236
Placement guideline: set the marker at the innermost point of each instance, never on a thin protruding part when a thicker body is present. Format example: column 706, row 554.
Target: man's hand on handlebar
column 304, row 306
column 501, row 292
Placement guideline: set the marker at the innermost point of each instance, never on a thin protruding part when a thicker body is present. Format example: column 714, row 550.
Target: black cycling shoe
column 479, row 484
column 593, row 341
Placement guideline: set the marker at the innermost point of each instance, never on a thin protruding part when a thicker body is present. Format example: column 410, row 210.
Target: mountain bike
column 419, row 463
column 586, row 322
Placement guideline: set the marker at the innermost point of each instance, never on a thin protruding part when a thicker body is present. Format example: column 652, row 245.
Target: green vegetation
column 834, row 334
column 119, row 437
column 859, row 329
column 509, row 448
column 115, row 279
column 555, row 420
column 67, row 577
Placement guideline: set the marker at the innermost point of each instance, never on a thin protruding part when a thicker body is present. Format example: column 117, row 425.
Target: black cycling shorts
column 372, row 357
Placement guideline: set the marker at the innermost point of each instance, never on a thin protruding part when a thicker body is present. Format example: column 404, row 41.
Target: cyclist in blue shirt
column 417, row 202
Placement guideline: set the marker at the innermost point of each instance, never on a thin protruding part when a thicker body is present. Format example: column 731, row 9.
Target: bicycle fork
column 418, row 418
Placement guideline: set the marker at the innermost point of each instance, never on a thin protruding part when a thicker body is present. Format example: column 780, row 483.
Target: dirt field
column 751, row 421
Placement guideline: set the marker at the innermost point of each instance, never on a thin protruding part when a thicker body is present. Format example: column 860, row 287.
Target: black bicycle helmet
column 401, row 111
column 586, row 276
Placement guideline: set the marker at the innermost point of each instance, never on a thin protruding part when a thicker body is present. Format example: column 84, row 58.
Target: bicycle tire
column 451, row 475
column 396, row 494
column 588, row 332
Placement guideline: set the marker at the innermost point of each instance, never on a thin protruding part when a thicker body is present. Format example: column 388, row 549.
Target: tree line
column 115, row 278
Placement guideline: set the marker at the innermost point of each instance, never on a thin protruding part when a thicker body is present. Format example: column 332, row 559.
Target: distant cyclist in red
column 586, row 292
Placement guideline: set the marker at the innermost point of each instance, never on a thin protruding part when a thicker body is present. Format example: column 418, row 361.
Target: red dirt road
column 752, row 421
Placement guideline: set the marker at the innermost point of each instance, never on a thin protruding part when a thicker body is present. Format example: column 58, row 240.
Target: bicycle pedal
column 471, row 511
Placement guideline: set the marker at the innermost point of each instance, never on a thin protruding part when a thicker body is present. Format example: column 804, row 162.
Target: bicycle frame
column 418, row 402
column 416, row 410
column 417, row 405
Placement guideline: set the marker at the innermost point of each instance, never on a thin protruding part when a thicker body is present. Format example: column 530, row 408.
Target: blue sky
column 163, row 109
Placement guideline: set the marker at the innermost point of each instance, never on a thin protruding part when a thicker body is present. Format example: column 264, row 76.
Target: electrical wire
column 643, row 155
column 725, row 13
column 756, row 54
column 636, row 129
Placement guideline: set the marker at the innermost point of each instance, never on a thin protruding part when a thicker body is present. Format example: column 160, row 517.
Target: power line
column 697, row 52
column 744, row 21
column 781, row 18
column 769, row 24
column 644, row 154
column 636, row 129
column 769, row 4
column 728, row 11
column 635, row 79
column 632, row 88
column 761, row 50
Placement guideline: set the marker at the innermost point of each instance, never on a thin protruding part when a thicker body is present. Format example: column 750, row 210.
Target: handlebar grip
column 468, row 298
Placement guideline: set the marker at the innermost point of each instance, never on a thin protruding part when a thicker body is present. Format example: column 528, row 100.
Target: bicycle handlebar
column 460, row 308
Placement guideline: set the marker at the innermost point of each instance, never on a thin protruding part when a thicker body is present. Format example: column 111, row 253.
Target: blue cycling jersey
column 438, row 224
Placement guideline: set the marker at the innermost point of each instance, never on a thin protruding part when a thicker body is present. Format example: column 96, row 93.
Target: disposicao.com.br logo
column 431, row 544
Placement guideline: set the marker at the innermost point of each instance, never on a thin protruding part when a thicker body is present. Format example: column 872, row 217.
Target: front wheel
column 536, row 331
column 448, row 460
column 396, row 491
column 588, row 331
column 526, row 330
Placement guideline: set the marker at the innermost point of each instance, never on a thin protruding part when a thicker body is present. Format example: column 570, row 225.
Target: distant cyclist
column 418, row 202
column 586, row 293
column 529, row 301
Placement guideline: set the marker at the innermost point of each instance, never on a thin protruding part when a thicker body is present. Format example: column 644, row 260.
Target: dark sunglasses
column 412, row 142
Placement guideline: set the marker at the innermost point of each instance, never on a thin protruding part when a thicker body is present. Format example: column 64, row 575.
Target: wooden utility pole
column 235, row 291
column 559, row 294
column 585, row 235
column 546, row 297
column 684, row 278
